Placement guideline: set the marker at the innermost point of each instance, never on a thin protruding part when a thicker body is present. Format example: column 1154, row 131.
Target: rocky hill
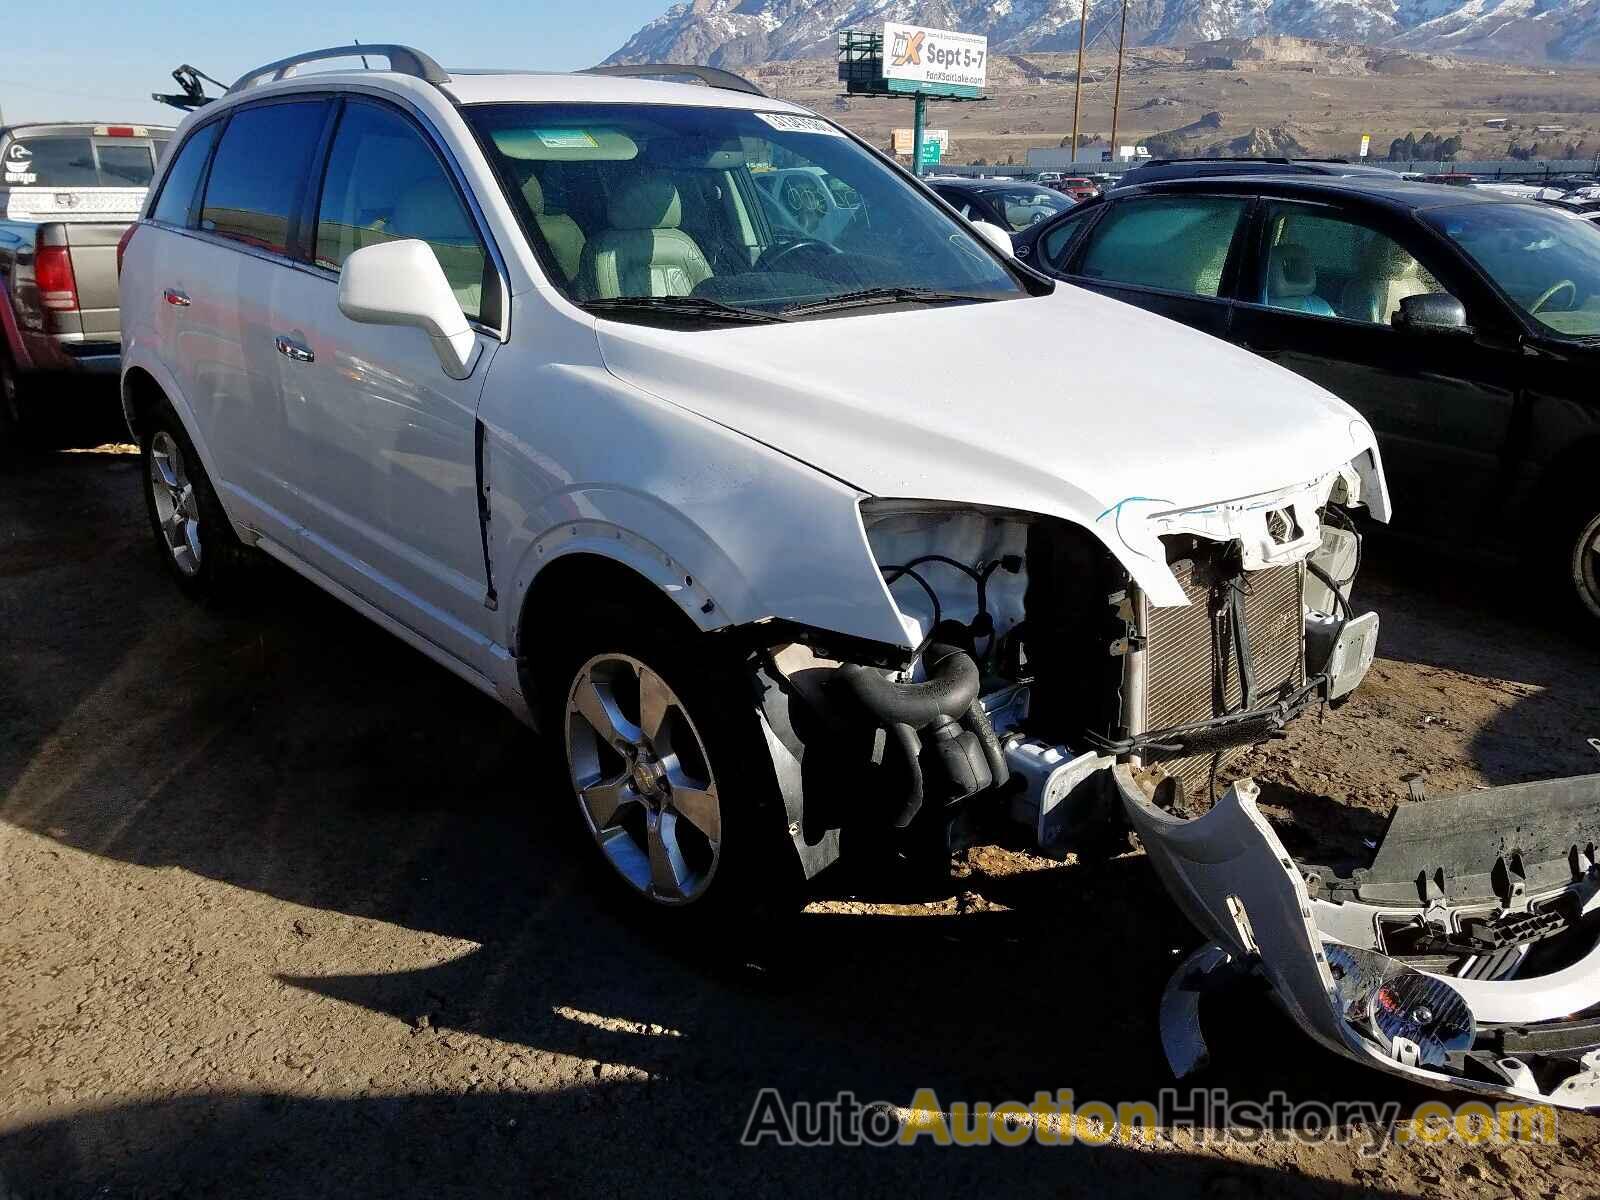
column 737, row 33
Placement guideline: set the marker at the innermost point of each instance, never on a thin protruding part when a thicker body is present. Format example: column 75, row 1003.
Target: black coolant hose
column 950, row 689
column 949, row 694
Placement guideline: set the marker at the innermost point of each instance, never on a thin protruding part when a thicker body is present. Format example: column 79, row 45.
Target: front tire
column 192, row 534
column 672, row 780
column 1583, row 564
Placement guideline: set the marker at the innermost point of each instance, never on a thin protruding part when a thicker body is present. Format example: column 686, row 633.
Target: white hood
column 1070, row 405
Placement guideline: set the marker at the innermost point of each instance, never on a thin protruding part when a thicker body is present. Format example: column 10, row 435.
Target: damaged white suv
column 794, row 532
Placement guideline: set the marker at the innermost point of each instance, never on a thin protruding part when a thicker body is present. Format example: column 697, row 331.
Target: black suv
column 1464, row 325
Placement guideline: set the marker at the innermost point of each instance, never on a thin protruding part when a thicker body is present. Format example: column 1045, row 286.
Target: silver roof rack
column 710, row 76
column 402, row 59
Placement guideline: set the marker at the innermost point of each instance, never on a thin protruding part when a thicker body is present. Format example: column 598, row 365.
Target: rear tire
column 193, row 536
column 671, row 778
column 14, row 405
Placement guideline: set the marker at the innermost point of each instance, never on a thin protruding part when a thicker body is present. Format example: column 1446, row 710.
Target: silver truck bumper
column 1371, row 965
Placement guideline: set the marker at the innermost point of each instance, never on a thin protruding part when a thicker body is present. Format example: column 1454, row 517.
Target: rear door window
column 259, row 173
column 177, row 192
column 1174, row 244
column 384, row 184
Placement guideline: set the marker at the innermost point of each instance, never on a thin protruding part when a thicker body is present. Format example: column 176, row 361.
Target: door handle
column 294, row 351
column 175, row 298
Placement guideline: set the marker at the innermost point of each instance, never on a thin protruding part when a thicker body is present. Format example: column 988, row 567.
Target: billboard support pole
column 919, row 128
column 1077, row 94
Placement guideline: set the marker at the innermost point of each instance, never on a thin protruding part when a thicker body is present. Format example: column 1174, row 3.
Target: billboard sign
column 936, row 61
column 904, row 138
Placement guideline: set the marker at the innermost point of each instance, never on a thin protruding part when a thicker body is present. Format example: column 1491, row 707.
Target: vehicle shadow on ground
column 294, row 749
column 1510, row 632
column 558, row 1144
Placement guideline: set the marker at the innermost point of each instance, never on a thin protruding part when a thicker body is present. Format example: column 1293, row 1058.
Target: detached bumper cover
column 1505, row 859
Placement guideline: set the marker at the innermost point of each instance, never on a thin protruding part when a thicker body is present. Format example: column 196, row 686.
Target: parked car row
column 656, row 412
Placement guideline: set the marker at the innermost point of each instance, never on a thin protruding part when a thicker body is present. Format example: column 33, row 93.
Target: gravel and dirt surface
column 286, row 910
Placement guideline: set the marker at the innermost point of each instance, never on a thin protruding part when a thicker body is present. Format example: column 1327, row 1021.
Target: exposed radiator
column 1180, row 663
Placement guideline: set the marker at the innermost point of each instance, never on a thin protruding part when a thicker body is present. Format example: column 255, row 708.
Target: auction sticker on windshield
column 790, row 123
column 566, row 139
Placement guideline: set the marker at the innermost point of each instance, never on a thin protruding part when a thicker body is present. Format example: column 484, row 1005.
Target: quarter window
column 260, row 168
column 1328, row 266
column 177, row 193
column 384, row 184
column 1177, row 244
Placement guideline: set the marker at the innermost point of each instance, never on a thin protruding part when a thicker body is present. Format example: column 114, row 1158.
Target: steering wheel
column 778, row 253
column 1564, row 285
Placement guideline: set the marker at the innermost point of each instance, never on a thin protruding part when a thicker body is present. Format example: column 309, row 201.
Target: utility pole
column 1077, row 95
column 1116, row 97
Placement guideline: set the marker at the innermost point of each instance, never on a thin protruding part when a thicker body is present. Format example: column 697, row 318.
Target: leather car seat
column 561, row 233
column 1387, row 276
column 1292, row 282
column 644, row 252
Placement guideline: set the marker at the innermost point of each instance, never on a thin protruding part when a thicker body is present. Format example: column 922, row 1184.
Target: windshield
column 1024, row 207
column 68, row 162
column 635, row 207
column 1547, row 262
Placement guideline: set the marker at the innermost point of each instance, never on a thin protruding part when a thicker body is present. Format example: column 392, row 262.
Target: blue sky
column 94, row 60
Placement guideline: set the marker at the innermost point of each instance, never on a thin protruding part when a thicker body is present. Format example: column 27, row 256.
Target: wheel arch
column 579, row 571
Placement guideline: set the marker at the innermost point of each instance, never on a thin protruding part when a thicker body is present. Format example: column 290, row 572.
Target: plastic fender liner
column 1230, row 874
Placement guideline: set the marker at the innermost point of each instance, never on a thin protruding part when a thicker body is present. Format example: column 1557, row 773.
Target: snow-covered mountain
column 736, row 33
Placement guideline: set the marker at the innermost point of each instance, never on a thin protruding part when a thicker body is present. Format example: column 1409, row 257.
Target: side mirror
column 402, row 283
column 995, row 236
column 1432, row 312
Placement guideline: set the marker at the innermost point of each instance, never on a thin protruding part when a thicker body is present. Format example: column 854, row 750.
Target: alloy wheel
column 1586, row 565
column 177, row 507
column 643, row 779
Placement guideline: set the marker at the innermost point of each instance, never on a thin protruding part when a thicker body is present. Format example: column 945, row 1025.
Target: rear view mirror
column 401, row 283
column 1432, row 312
column 999, row 238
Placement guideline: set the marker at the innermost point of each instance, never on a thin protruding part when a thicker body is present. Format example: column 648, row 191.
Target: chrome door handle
column 294, row 351
column 175, row 298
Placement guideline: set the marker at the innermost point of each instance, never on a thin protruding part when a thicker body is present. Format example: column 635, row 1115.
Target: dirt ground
column 1327, row 108
column 286, row 910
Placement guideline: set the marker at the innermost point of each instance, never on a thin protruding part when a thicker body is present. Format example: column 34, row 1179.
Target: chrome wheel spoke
column 599, row 708
column 696, row 802
column 655, row 698
column 605, row 798
column 191, row 537
column 669, row 874
column 161, row 464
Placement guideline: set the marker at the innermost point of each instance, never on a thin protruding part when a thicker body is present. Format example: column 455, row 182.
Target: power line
column 33, row 87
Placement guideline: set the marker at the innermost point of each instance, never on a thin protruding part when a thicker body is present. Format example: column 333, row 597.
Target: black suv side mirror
column 1432, row 312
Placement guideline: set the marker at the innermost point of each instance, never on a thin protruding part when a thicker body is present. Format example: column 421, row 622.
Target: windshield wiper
column 885, row 295
column 691, row 306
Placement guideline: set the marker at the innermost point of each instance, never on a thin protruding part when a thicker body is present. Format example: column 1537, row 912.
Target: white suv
column 782, row 533
column 792, row 535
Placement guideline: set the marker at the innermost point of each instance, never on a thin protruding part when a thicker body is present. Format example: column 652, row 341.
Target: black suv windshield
column 758, row 211
column 1545, row 260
